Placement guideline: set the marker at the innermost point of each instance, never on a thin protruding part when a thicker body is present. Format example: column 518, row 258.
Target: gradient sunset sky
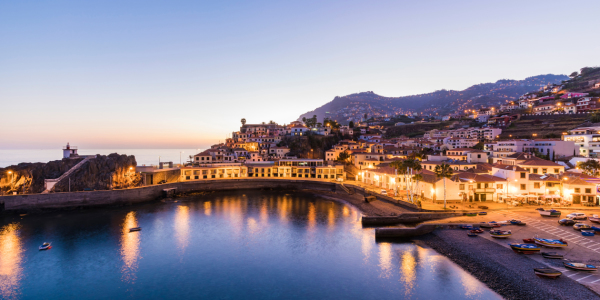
column 181, row 74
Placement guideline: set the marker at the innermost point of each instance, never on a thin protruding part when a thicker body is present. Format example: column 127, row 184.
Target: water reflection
column 207, row 208
column 408, row 270
column 182, row 227
column 130, row 248
column 11, row 256
column 385, row 260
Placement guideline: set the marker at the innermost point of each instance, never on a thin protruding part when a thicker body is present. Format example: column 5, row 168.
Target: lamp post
column 180, row 157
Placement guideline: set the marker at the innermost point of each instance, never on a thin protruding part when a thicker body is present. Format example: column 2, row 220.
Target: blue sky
column 181, row 74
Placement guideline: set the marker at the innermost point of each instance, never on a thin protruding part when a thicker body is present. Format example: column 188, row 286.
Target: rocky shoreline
column 505, row 272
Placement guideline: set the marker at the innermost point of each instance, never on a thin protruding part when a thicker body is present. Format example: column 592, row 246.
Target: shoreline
column 505, row 272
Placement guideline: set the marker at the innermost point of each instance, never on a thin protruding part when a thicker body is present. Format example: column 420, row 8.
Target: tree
column 304, row 120
column 406, row 168
column 595, row 118
column 479, row 146
column 574, row 74
column 590, row 167
column 343, row 157
column 443, row 171
column 351, row 124
column 243, row 121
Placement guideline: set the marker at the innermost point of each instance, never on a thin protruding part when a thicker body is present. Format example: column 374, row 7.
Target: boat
column 135, row 229
column 486, row 225
column 525, row 248
column 483, row 213
column 470, row 233
column 550, row 213
column 580, row 266
column 500, row 234
column 477, row 230
column 552, row 255
column 594, row 219
column 471, row 214
column 466, row 226
column 551, row 243
column 595, row 228
column 587, row 232
column 45, row 246
column 514, row 222
column 528, row 241
column 547, row 272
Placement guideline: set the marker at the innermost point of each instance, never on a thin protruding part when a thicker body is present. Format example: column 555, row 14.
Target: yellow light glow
column 11, row 256
column 130, row 248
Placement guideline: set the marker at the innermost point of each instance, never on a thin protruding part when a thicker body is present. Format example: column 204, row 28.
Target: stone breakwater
column 507, row 273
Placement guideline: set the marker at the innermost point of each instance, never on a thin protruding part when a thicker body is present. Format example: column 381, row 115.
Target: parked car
column 580, row 226
column 384, row 192
column 577, row 216
column 567, row 222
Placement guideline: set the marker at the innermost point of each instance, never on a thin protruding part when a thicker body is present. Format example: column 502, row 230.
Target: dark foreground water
column 238, row 245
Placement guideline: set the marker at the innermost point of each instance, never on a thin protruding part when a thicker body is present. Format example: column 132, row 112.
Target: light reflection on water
column 260, row 245
column 11, row 256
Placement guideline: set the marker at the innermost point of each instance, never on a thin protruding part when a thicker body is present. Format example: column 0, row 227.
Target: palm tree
column 443, row 171
column 405, row 168
column 243, row 121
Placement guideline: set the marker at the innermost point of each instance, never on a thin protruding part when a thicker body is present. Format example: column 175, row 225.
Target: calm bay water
column 235, row 245
column 10, row 157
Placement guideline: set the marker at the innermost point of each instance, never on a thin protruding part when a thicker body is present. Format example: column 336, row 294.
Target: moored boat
column 552, row 255
column 550, row 243
column 525, row 248
column 528, row 241
column 483, row 213
column 580, row 266
column 471, row 233
column 45, row 246
column 476, row 230
column 550, row 213
column 471, row 214
column 466, row 226
column 135, row 229
column 587, row 232
column 500, row 234
column 594, row 219
column 596, row 228
column 514, row 222
column 547, row 272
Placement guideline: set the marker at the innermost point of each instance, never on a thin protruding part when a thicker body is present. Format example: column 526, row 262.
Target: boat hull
column 553, row 244
column 581, row 267
column 548, row 272
column 550, row 214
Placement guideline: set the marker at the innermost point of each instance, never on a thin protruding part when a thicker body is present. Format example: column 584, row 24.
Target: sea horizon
column 143, row 156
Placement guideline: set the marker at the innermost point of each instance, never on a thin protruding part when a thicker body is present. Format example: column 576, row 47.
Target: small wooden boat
column 582, row 226
column 483, row 213
column 552, row 255
column 587, row 232
column 580, row 266
column 594, row 219
column 500, row 234
column 551, row 243
column 471, row 214
column 466, row 226
column 471, row 233
column 547, row 272
column 514, row 222
column 476, row 230
column 45, row 246
column 595, row 228
column 528, row 241
column 525, row 248
column 550, row 213
column 135, row 229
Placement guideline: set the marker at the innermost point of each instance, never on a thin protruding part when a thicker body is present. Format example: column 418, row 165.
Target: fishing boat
column 483, row 213
column 528, row 241
column 547, row 272
column 477, row 230
column 471, row 214
column 135, row 229
column 580, row 266
column 470, row 233
column 525, row 248
column 595, row 228
column 466, row 226
column 587, row 232
column 45, row 246
column 500, row 234
column 486, row 225
column 594, row 219
column 550, row 213
column 550, row 243
column 514, row 222
column 552, row 255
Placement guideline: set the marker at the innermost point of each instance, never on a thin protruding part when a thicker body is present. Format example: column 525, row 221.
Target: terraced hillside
column 548, row 126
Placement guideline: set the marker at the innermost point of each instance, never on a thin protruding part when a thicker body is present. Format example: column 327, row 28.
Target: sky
column 181, row 74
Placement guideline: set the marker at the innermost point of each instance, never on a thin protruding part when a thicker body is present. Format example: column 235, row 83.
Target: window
column 544, row 171
column 486, row 186
column 534, row 170
column 536, row 185
column 499, row 186
column 523, row 187
column 577, row 190
column 556, row 171
column 479, row 185
column 588, row 191
column 523, row 174
column 461, row 187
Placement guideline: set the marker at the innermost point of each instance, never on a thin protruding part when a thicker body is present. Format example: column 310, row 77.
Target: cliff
column 100, row 173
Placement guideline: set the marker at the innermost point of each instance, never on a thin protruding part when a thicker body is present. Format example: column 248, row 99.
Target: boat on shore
column 596, row 228
column 471, row 214
column 550, row 243
column 587, row 232
column 466, row 226
column 476, row 230
column 552, row 255
column 500, row 234
column 580, row 266
column 483, row 213
column 45, row 246
column 470, row 233
column 594, row 219
column 525, row 248
column 547, row 272
column 529, row 241
column 135, row 229
column 550, row 213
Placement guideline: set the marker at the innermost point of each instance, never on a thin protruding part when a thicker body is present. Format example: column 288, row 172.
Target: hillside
column 353, row 107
